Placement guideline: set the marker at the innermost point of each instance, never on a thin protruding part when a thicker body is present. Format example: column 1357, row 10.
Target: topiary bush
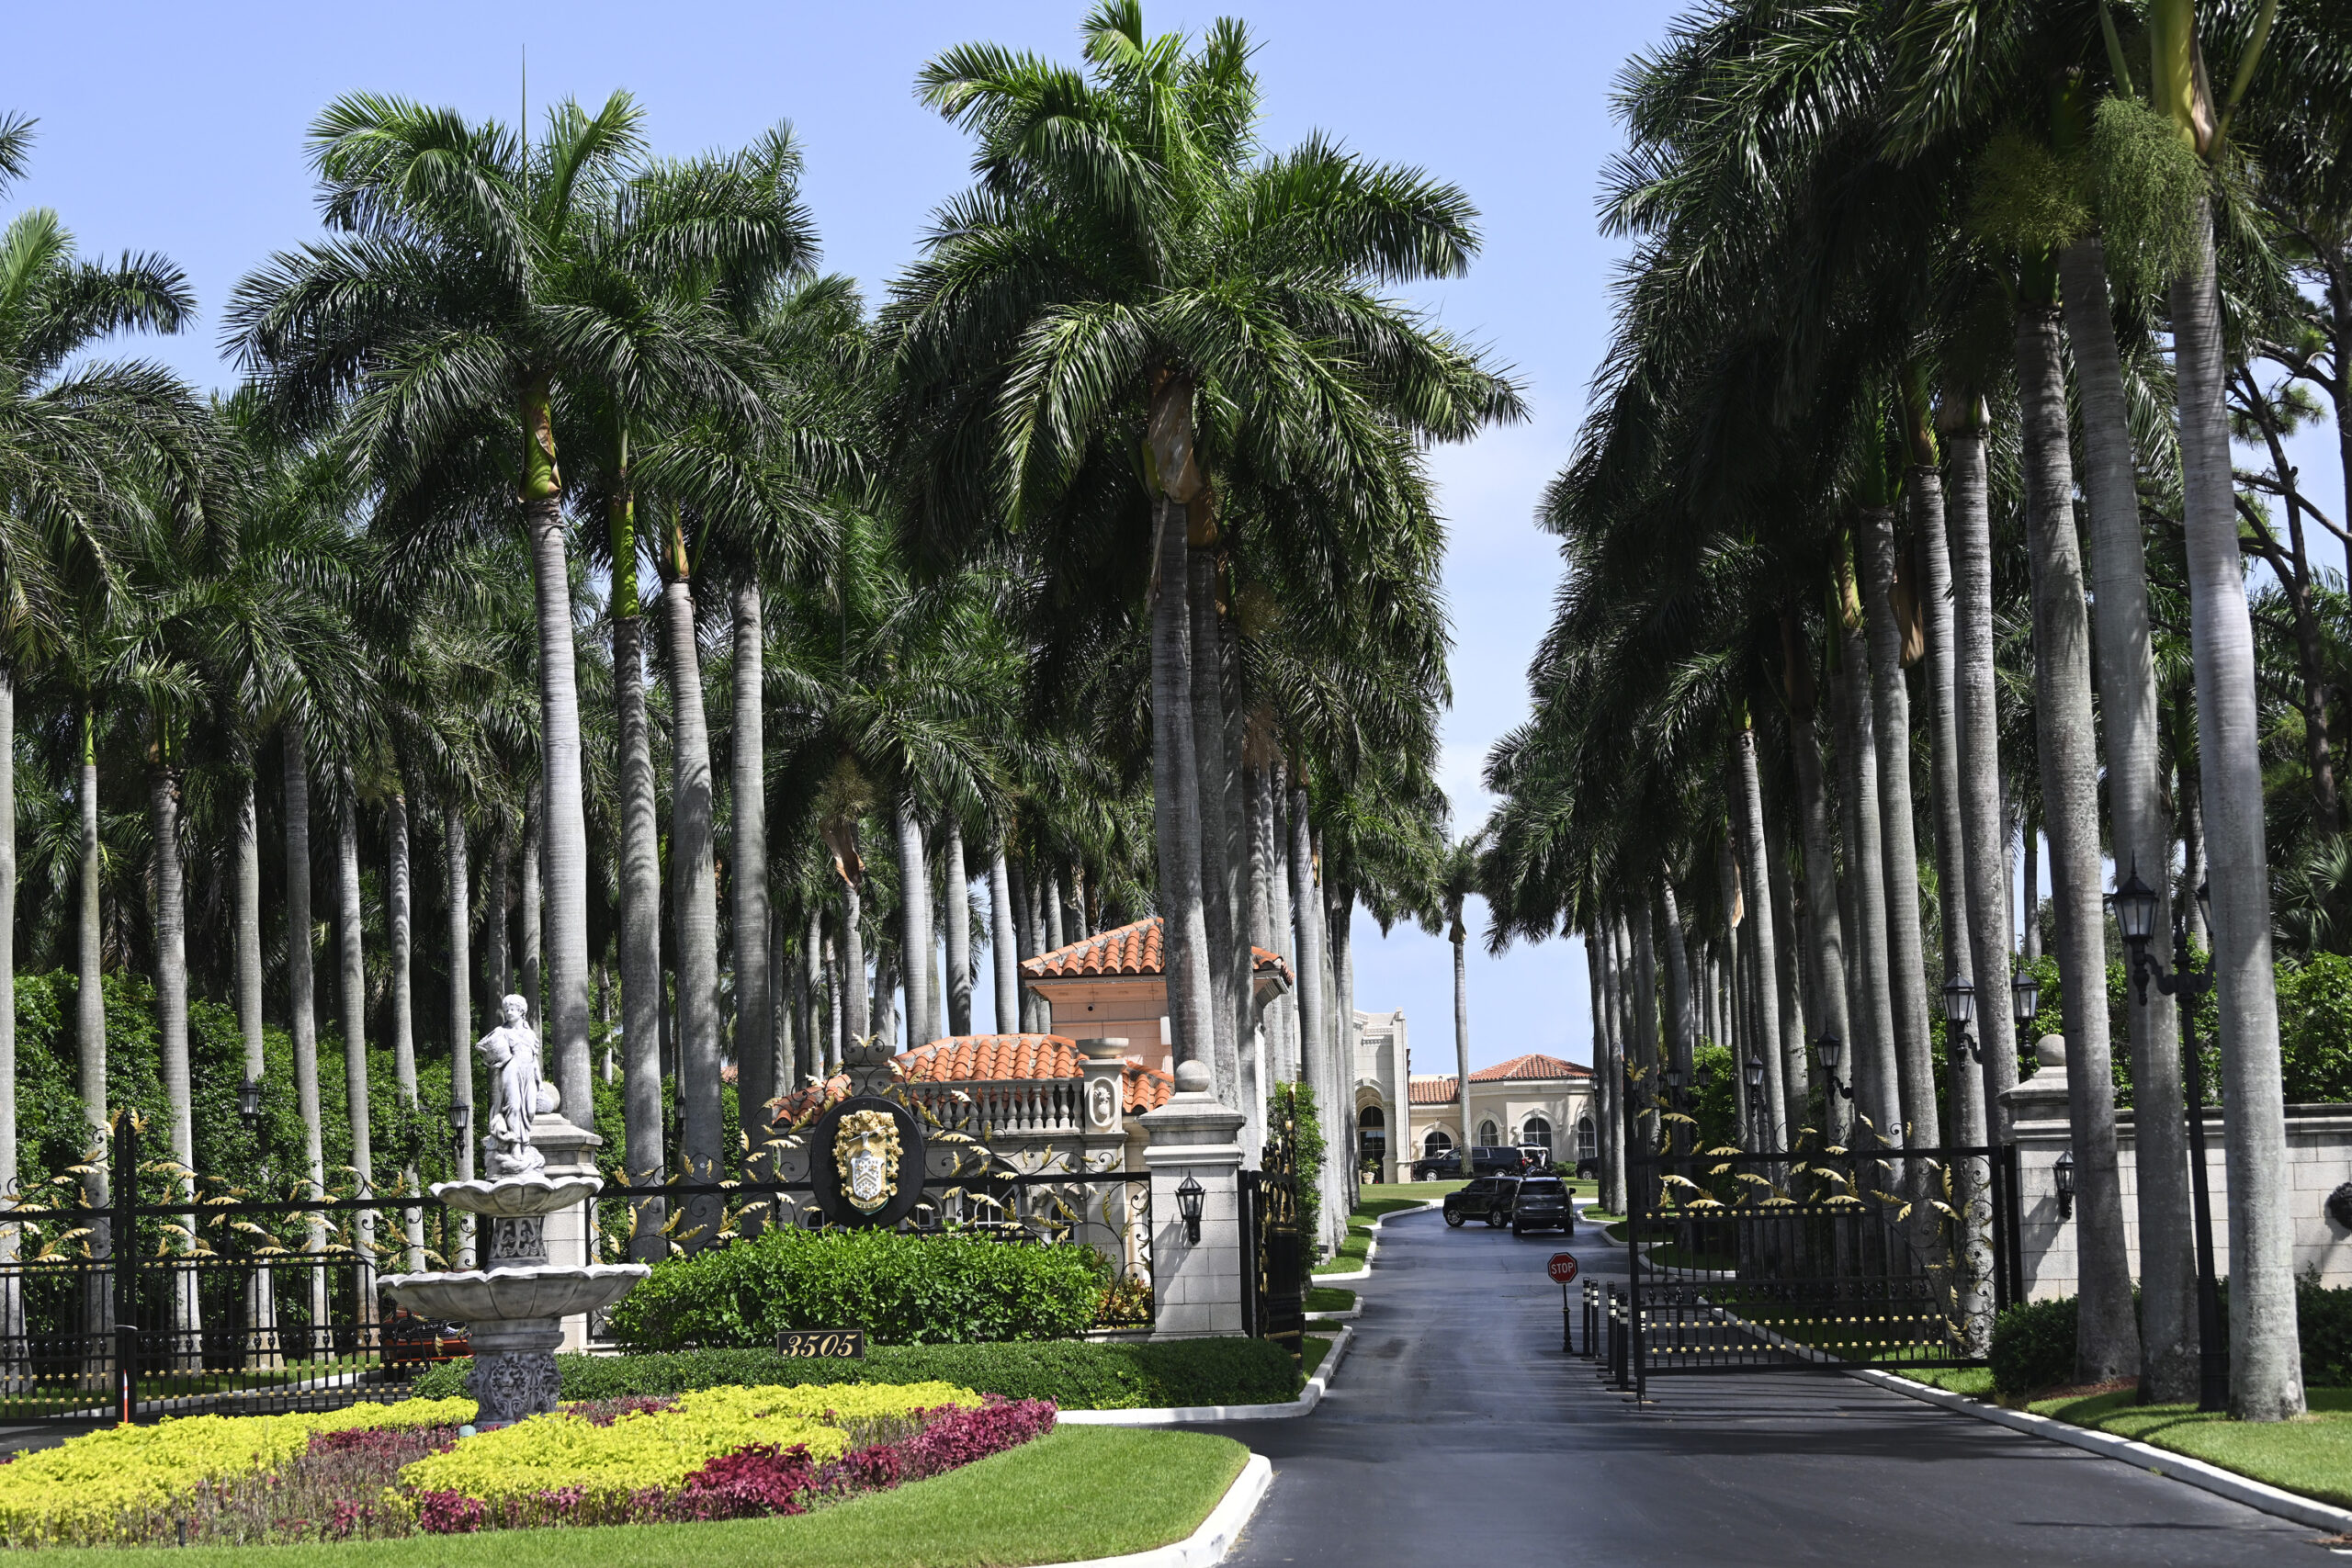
column 958, row 1288
column 2324, row 1322
column 2033, row 1345
column 1074, row 1374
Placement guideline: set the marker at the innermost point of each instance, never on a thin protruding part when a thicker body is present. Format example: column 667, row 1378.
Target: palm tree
column 472, row 287
column 1452, row 880
column 1125, row 271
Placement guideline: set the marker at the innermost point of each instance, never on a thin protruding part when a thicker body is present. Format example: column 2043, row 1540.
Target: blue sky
column 179, row 128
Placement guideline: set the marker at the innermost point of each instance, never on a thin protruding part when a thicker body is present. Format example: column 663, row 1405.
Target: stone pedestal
column 515, row 1373
column 1196, row 1285
column 567, row 1234
column 1103, row 1097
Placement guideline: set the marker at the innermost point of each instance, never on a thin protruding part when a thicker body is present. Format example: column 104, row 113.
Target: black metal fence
column 1828, row 1258
column 1273, row 1260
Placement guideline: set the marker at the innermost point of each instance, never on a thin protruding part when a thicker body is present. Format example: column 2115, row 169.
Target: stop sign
column 1562, row 1268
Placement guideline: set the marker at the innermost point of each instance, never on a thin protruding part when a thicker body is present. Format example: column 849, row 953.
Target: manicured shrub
column 902, row 1290
column 2323, row 1319
column 1074, row 1374
column 2033, row 1345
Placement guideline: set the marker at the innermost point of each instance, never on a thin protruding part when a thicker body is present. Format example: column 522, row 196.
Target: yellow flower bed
column 659, row 1448
column 81, row 1487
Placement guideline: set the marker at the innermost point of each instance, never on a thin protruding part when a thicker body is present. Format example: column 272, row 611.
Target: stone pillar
column 1196, row 1285
column 570, row 1233
column 2043, row 1126
column 1102, row 1095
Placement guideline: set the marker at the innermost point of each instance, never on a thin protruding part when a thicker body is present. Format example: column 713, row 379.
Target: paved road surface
column 1460, row 1437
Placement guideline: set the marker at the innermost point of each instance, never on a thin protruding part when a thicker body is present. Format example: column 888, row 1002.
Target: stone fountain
column 514, row 1307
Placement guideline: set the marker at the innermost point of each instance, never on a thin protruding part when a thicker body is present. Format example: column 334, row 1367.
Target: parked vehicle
column 1431, row 1167
column 1487, row 1198
column 1542, row 1204
column 1588, row 1169
column 1495, row 1159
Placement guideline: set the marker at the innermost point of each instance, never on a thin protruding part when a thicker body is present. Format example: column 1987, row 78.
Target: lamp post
column 1828, row 1048
column 1960, row 1011
column 2134, row 904
column 2025, row 1003
column 1756, row 1098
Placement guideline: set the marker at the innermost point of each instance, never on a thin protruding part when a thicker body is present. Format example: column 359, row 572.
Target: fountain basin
column 518, row 1197
column 539, row 1290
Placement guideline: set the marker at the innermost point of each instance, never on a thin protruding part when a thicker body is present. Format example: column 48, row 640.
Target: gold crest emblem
column 865, row 1151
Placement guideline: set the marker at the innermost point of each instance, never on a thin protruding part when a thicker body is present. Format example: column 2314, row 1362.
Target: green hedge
column 1074, row 1374
column 902, row 1290
column 2033, row 1345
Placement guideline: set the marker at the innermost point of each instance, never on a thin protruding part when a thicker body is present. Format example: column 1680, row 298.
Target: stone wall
column 2319, row 1154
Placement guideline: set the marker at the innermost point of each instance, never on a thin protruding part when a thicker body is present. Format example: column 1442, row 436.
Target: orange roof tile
column 1535, row 1065
column 984, row 1058
column 1132, row 949
column 1430, row 1091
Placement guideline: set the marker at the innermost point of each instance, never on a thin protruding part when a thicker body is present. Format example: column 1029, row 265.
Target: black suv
column 1488, row 1199
column 1428, row 1168
column 1543, row 1204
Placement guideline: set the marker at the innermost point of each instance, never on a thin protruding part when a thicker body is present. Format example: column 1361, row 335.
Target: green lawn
column 1313, row 1347
column 1043, row 1502
column 2312, row 1456
column 1974, row 1381
column 1330, row 1298
column 1416, row 1191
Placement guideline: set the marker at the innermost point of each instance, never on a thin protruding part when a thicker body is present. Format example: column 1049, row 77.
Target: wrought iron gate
column 1274, row 1255
column 1749, row 1262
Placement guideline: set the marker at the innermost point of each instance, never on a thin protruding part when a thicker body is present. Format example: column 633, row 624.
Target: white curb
column 1208, row 1545
column 2143, row 1456
column 1308, row 1398
column 1371, row 1250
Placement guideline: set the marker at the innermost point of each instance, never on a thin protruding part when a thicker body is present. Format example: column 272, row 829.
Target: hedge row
column 2033, row 1345
column 1074, row 1374
column 902, row 1290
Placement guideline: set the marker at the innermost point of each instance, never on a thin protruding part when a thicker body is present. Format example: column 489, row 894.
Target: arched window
column 1586, row 1146
column 1535, row 1130
column 1372, row 1135
column 1436, row 1142
column 1488, row 1135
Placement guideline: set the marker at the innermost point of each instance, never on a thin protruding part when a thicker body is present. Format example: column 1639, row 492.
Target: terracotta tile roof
column 982, row 1058
column 1535, row 1065
column 1124, row 949
column 810, row 1097
column 1430, row 1090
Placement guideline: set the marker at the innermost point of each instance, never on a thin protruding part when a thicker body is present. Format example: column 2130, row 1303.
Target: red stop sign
column 1562, row 1268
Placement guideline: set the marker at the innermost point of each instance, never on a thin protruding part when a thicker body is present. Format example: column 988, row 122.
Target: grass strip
column 1330, row 1298
column 1040, row 1502
column 1313, row 1349
column 2312, row 1455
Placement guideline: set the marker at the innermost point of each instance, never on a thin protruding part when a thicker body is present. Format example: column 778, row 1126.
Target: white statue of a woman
column 516, row 1092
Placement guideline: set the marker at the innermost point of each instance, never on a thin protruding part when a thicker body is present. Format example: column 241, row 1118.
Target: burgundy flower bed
column 346, row 1486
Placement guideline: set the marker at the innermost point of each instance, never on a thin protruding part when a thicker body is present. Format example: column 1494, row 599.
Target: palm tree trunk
column 1005, row 953
column 12, row 1299
column 811, row 1065
column 171, row 1013
column 1681, row 1027
column 1176, row 804
column 2189, row 791
column 532, row 906
column 640, row 889
column 695, row 907
column 2030, row 945
column 886, row 994
column 748, row 878
column 1984, row 829
column 857, row 1022
column 246, row 854
column 1458, row 936
column 1208, row 747
column 1280, row 937
column 351, row 993
column 1822, row 894
column 2265, row 1367
column 1907, row 963
column 914, row 921
column 2140, row 834
column 959, row 929
column 1875, row 1079
column 400, row 921
column 1339, row 921
column 1796, row 1084
column 565, row 1032
column 1307, row 908
column 1604, row 1077
column 1762, row 939
column 1249, row 1069
column 2107, row 1343
column 89, row 997
column 461, row 1006
column 496, row 918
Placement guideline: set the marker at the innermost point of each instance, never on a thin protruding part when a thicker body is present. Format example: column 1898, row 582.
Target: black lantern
column 2205, row 906
column 2025, row 997
column 1755, row 1071
column 1827, row 1048
column 1674, row 1080
column 1959, row 1002
column 461, row 1115
column 249, row 1103
column 2134, row 903
column 2064, row 1172
column 1189, row 1196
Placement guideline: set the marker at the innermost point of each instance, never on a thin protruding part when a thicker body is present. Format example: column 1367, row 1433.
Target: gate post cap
column 1104, row 1048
